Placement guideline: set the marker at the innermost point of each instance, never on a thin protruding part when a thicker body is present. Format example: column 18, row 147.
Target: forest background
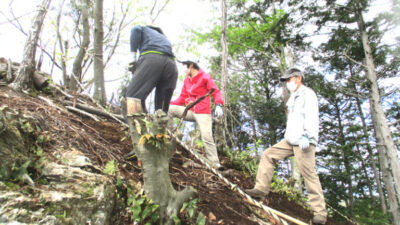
column 339, row 44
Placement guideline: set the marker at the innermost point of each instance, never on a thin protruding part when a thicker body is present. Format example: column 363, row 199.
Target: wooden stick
column 82, row 112
column 50, row 103
column 190, row 106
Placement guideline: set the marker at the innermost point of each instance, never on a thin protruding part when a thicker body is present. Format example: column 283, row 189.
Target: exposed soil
column 106, row 140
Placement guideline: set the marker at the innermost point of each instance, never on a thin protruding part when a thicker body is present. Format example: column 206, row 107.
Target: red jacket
column 194, row 88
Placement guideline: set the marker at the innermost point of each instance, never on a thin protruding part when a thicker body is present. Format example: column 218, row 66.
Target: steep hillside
column 53, row 163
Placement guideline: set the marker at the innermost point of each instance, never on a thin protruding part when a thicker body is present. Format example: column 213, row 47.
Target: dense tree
column 259, row 36
column 368, row 58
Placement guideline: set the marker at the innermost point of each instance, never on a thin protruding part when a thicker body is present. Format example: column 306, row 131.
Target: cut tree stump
column 155, row 148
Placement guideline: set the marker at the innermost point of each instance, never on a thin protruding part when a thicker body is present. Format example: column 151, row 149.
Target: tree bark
column 155, row 162
column 77, row 65
column 224, row 66
column 371, row 155
column 99, row 89
column 224, row 61
column 24, row 78
column 63, row 46
column 388, row 157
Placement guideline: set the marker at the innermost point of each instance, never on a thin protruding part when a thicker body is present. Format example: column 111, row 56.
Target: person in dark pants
column 155, row 67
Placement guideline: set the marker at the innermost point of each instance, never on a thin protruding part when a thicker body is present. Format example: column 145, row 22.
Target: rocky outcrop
column 68, row 190
column 72, row 196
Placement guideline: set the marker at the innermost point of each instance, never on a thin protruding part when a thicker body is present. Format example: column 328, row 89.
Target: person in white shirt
column 300, row 140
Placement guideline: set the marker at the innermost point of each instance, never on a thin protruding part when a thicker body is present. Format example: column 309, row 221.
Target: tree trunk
column 155, row 152
column 224, row 60
column 253, row 126
column 99, row 89
column 252, row 116
column 388, row 157
column 63, row 46
column 371, row 155
column 77, row 65
column 224, row 65
column 24, row 79
column 346, row 162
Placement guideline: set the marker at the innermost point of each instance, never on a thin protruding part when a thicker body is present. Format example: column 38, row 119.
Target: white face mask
column 291, row 86
column 187, row 71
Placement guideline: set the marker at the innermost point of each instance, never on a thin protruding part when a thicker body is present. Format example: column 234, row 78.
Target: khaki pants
column 205, row 125
column 306, row 163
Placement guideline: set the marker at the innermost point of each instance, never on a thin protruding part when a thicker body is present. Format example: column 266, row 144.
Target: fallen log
column 8, row 71
column 94, row 110
column 70, row 108
column 40, row 80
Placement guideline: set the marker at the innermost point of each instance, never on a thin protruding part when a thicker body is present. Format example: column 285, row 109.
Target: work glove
column 132, row 66
column 218, row 111
column 304, row 143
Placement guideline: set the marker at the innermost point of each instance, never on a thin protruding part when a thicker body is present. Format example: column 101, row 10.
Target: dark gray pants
column 154, row 71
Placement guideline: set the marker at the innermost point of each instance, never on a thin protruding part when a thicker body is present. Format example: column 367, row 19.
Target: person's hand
column 304, row 143
column 218, row 111
column 132, row 66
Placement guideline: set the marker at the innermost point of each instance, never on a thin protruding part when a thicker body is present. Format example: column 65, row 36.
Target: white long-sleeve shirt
column 303, row 116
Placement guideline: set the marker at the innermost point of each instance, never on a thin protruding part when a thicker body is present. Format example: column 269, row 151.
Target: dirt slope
column 105, row 140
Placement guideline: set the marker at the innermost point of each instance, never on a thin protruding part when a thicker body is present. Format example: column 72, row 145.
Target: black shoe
column 255, row 193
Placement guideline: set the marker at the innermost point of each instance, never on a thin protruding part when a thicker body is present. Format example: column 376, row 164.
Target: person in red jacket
column 196, row 84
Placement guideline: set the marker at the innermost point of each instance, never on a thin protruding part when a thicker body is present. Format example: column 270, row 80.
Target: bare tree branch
column 15, row 18
column 62, row 47
column 19, row 27
column 153, row 19
column 120, row 27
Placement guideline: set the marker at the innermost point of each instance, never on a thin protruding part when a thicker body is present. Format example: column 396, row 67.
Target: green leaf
column 110, row 168
column 136, row 212
column 176, row 220
column 130, row 200
column 40, row 139
column 140, row 201
column 39, row 151
column 185, row 204
column 154, row 208
column 201, row 219
column 146, row 212
column 191, row 212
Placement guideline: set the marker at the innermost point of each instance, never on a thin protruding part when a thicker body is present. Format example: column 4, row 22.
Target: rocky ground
column 67, row 153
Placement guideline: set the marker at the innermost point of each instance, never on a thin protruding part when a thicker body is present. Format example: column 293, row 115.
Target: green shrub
column 189, row 212
column 144, row 211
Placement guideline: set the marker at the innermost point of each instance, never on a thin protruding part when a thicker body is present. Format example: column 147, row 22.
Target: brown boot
column 255, row 193
column 319, row 219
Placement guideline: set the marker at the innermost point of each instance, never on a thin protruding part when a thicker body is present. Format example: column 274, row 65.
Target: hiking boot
column 255, row 193
column 319, row 219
